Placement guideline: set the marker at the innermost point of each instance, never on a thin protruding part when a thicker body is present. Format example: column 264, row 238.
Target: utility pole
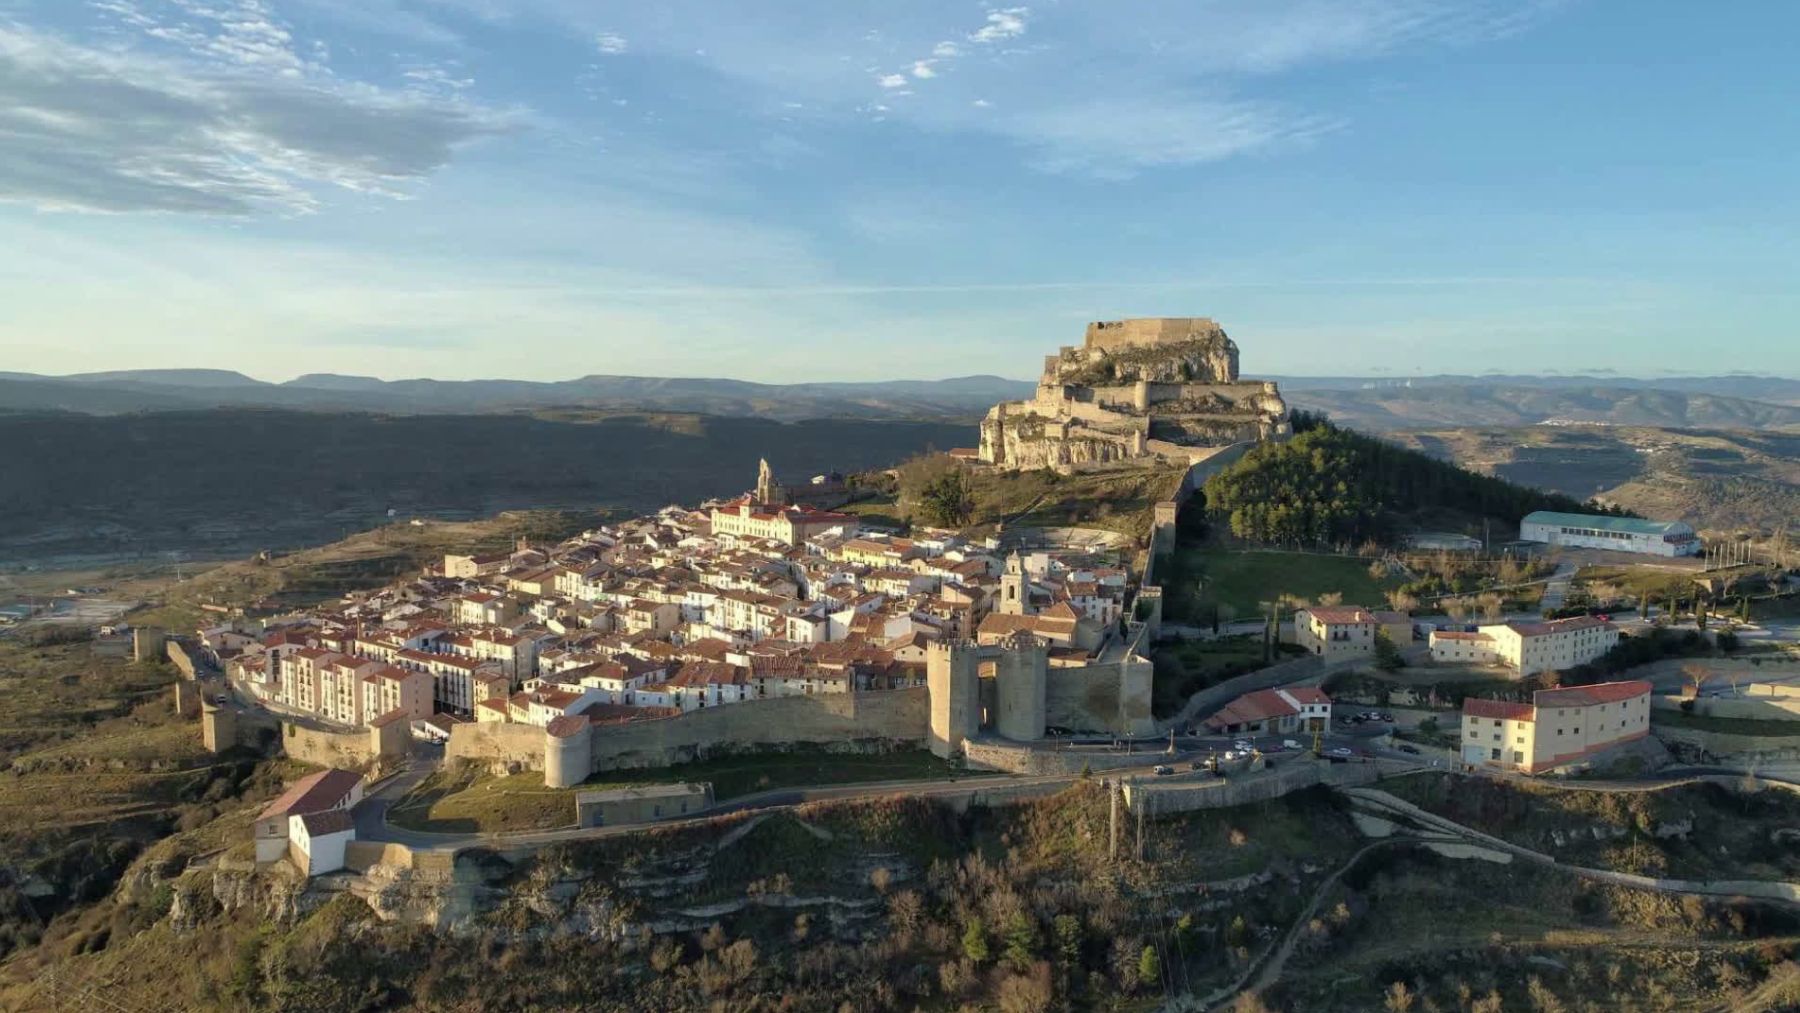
column 1143, row 803
column 1112, row 831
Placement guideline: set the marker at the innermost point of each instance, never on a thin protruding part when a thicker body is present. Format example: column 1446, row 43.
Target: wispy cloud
column 1117, row 138
column 231, row 122
column 611, row 43
column 1002, row 24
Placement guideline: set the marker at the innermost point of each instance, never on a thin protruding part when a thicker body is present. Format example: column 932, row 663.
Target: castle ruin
column 1163, row 387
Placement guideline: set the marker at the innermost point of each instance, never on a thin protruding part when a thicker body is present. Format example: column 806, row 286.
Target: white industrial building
column 1621, row 534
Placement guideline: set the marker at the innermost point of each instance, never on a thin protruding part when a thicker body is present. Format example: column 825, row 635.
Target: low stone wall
column 326, row 749
column 497, row 742
column 1035, row 760
column 851, row 721
column 1200, row 791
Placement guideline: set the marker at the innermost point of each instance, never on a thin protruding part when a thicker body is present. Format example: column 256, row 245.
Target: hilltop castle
column 1150, row 387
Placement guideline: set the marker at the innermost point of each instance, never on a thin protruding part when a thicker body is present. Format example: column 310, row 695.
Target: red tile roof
column 314, row 793
column 1583, row 696
column 1341, row 615
column 1510, row 710
column 332, row 821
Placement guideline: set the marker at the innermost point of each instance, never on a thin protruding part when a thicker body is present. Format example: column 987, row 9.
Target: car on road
column 1289, row 744
column 1342, row 751
column 1163, row 770
column 1410, row 750
column 1242, row 746
column 1385, row 716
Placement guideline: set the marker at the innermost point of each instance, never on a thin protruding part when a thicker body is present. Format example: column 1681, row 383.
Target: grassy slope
column 1239, row 580
column 1730, row 837
column 461, row 801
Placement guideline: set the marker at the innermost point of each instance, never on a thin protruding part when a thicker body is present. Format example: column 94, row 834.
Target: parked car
column 1290, row 744
column 1199, row 765
column 1162, row 770
column 1385, row 716
column 1410, row 750
column 1342, row 751
column 1242, row 746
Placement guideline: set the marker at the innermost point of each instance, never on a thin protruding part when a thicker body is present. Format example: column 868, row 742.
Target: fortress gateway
column 1163, row 387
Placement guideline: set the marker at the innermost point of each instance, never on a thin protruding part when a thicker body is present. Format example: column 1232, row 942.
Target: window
column 1518, row 757
column 1494, row 754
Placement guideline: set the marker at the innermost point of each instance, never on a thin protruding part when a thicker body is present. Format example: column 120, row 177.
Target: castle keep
column 1150, row 387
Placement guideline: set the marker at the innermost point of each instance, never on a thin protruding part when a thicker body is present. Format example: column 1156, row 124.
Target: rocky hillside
column 1714, row 478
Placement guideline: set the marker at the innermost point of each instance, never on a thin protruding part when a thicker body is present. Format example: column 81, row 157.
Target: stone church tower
column 1013, row 588
column 768, row 491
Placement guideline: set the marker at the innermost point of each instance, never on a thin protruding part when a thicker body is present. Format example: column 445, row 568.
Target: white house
column 317, row 841
column 321, row 792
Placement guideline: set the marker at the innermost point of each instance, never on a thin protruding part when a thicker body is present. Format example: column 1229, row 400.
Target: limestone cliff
column 1165, row 387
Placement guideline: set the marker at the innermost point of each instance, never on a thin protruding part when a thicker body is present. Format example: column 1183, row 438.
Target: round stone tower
column 1022, row 677
column 568, row 751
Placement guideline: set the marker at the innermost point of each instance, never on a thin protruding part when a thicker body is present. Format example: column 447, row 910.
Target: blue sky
column 854, row 190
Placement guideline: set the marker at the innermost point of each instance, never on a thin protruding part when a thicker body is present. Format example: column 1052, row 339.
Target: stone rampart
column 326, row 749
column 1046, row 759
column 495, row 742
column 851, row 721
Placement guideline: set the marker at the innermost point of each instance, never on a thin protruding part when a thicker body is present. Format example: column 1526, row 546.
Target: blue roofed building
column 1620, row 534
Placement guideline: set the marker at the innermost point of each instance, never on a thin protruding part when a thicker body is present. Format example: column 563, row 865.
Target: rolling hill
column 231, row 480
column 1713, row 478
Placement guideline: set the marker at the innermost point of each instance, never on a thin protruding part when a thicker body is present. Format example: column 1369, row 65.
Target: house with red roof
column 311, row 821
column 1557, row 728
column 1274, row 711
column 1336, row 632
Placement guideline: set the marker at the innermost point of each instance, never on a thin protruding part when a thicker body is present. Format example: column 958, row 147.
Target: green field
column 468, row 801
column 1239, row 580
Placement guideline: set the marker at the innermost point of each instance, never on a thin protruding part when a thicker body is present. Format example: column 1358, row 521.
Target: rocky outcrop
column 1140, row 388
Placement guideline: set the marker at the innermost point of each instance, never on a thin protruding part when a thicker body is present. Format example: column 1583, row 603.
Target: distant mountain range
column 118, row 392
column 1532, row 401
column 1372, row 404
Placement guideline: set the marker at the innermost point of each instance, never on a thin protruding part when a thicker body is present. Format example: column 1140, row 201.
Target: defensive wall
column 497, row 742
column 178, row 656
column 326, row 749
column 850, row 721
column 1046, row 759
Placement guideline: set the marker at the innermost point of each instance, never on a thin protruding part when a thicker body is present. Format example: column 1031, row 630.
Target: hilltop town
column 934, row 734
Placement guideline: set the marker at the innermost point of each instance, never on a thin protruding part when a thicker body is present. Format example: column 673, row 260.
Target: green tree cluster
column 1330, row 485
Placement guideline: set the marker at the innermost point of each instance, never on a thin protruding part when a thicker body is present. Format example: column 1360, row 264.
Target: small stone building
column 645, row 804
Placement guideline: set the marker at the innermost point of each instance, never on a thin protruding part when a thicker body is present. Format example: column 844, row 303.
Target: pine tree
column 1149, row 966
column 974, row 941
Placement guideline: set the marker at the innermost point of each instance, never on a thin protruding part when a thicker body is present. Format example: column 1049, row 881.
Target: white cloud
column 922, row 69
column 611, row 43
column 981, row 103
column 891, row 80
column 946, row 50
column 232, row 132
column 1118, row 138
column 1003, row 23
